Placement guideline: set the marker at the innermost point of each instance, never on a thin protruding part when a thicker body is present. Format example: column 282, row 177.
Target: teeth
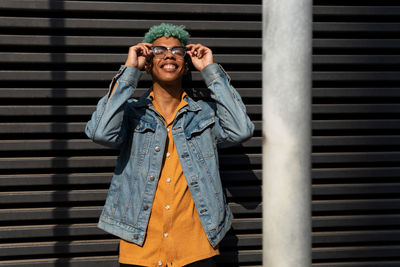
column 169, row 66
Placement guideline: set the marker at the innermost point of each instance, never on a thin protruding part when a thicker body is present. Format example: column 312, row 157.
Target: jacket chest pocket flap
column 199, row 134
column 142, row 136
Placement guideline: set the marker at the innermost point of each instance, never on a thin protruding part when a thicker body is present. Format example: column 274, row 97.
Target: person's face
column 168, row 68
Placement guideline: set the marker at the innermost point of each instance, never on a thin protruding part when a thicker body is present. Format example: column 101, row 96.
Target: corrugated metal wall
column 58, row 57
column 356, row 127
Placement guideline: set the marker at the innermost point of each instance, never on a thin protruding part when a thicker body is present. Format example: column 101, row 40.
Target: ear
column 186, row 68
column 148, row 66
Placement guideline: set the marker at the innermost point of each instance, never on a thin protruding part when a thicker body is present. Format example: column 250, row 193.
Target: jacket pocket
column 200, row 138
column 142, row 134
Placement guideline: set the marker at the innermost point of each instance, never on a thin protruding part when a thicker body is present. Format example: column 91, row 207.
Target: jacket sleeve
column 107, row 126
column 233, row 126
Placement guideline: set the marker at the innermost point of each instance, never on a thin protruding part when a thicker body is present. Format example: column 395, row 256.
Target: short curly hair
column 167, row 30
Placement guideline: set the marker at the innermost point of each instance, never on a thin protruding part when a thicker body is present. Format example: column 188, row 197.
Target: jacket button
column 157, row 149
column 135, row 236
column 145, row 207
column 152, row 178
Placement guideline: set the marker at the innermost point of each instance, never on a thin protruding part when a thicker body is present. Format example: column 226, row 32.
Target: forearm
column 106, row 125
column 230, row 109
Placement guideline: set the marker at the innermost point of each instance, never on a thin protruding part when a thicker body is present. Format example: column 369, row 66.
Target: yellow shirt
column 175, row 236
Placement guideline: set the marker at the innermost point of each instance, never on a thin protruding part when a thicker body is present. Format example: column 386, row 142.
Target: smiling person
column 165, row 201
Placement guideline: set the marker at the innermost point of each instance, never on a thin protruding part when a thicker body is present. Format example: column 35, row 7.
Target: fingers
column 138, row 54
column 142, row 49
column 197, row 50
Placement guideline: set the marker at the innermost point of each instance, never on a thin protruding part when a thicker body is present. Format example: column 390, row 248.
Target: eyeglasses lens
column 161, row 51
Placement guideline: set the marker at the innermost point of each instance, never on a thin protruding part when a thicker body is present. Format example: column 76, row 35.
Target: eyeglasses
column 161, row 51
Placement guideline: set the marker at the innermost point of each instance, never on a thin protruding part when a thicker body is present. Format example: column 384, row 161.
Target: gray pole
column 287, row 31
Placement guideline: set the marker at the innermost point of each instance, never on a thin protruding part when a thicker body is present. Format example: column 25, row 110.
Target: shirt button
column 159, row 263
column 167, row 207
column 165, row 234
column 168, row 180
column 168, row 154
column 157, row 149
column 152, row 178
column 135, row 236
column 145, row 207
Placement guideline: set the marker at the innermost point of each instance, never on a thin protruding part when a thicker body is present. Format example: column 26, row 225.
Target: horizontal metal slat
column 53, row 196
column 55, row 179
column 355, row 108
column 338, row 27
column 374, row 221
column 356, row 92
column 355, row 252
column 104, row 75
column 362, row 263
column 107, row 58
column 45, row 110
column 347, row 157
column 354, row 59
column 65, row 93
column 343, row 43
column 355, row 173
column 355, row 76
column 355, row 236
column 355, row 124
column 355, row 11
column 116, row 41
column 125, row 24
column 125, row 7
column 367, row 205
column 42, row 127
column 57, row 213
column 98, row 261
column 370, row 140
column 355, row 189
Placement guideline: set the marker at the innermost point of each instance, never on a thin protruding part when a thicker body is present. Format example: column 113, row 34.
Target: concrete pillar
column 287, row 31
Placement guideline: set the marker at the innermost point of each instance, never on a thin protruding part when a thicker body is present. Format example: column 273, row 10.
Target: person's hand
column 138, row 54
column 201, row 55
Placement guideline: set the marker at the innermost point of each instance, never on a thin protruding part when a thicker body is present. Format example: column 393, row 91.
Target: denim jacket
column 135, row 127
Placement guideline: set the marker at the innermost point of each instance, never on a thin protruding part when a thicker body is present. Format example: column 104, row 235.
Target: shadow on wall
column 243, row 243
column 61, row 231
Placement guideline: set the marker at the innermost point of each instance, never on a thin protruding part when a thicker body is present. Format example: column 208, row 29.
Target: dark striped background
column 58, row 57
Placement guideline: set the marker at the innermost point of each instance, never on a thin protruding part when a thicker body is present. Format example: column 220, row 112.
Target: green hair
column 167, row 30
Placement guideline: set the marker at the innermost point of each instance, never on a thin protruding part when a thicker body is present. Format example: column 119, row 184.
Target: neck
column 167, row 98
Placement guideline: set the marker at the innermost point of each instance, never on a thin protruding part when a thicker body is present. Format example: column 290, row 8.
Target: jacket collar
column 146, row 101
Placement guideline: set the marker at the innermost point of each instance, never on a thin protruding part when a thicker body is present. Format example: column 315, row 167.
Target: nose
column 169, row 54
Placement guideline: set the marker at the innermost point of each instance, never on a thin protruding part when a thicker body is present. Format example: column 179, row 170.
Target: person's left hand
column 201, row 55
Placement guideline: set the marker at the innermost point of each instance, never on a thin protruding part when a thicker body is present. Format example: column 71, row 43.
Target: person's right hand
column 138, row 54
